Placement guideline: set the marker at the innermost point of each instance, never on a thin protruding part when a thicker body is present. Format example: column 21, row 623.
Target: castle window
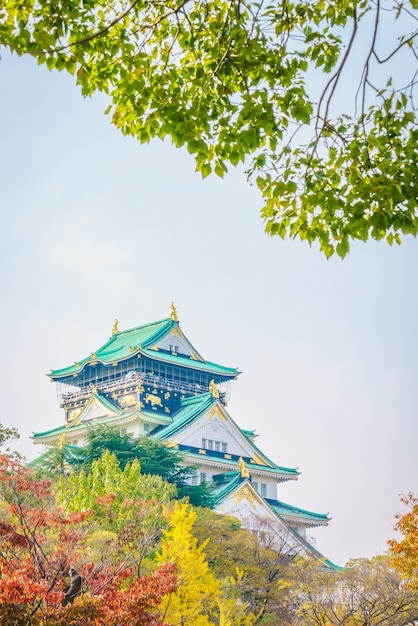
column 218, row 446
column 75, row 442
column 255, row 485
column 194, row 480
column 173, row 348
column 146, row 428
column 263, row 489
column 202, row 477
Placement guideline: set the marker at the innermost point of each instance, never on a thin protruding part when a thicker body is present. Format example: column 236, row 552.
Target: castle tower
column 150, row 380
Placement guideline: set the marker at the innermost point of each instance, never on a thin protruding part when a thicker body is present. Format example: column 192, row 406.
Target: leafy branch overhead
column 316, row 98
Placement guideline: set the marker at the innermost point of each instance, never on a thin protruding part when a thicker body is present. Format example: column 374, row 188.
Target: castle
column 151, row 381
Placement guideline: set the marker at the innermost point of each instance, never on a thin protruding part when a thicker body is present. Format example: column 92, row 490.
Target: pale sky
column 96, row 226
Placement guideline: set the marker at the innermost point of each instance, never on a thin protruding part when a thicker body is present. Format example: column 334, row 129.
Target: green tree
column 155, row 458
column 127, row 504
column 244, row 81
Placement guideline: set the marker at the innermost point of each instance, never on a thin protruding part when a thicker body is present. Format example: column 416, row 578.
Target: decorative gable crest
column 96, row 408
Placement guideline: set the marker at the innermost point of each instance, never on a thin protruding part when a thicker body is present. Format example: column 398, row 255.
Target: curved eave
column 208, row 366
column 188, row 363
column 51, row 436
column 296, row 516
column 269, row 463
column 220, row 460
column 190, row 410
column 106, row 356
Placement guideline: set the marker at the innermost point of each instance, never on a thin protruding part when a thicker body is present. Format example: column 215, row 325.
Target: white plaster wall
column 216, row 429
column 271, row 485
column 183, row 346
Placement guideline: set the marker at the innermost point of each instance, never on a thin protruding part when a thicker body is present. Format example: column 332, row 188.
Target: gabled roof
column 190, row 411
column 95, row 404
column 49, row 436
column 226, row 484
column 293, row 514
column 143, row 340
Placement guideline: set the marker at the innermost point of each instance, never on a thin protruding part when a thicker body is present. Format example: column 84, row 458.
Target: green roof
column 189, row 410
column 228, row 482
column 60, row 430
column 287, row 511
column 282, row 473
column 225, row 488
column 126, row 344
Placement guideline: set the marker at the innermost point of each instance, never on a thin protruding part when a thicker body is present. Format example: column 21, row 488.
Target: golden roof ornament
column 243, row 468
column 115, row 328
column 213, row 389
column 173, row 313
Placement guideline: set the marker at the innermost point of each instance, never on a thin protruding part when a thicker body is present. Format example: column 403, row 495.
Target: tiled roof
column 126, row 344
column 289, row 512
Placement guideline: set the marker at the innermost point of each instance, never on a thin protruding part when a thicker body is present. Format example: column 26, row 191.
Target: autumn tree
column 199, row 598
column 194, row 601
column 127, row 504
column 250, row 569
column 405, row 551
column 40, row 540
column 367, row 592
column 309, row 95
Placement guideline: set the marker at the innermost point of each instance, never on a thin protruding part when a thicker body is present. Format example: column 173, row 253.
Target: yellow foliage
column 195, row 600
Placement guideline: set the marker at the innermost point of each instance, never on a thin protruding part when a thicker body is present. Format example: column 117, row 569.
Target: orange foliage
column 38, row 543
column 405, row 551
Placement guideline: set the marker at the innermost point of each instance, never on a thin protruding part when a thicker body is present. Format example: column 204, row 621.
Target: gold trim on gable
column 258, row 460
column 246, row 494
column 216, row 412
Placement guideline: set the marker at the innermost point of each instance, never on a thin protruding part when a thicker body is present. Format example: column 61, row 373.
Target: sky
column 97, row 227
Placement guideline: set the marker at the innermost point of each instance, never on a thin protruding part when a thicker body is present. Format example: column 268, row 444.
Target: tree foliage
column 194, row 601
column 199, row 598
column 405, row 551
column 249, row 569
column 7, row 436
column 155, row 458
column 260, row 83
column 365, row 593
column 40, row 540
